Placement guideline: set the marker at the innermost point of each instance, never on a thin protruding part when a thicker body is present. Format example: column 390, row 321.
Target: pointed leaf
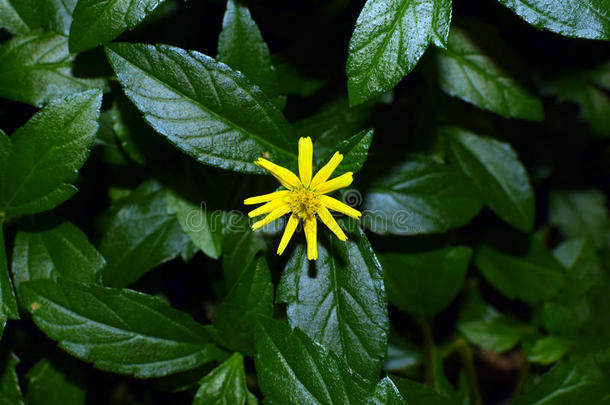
column 226, row 384
column 23, row 16
column 547, row 350
column 10, row 393
column 386, row 393
column 355, row 150
column 55, row 383
column 8, row 303
column 418, row 394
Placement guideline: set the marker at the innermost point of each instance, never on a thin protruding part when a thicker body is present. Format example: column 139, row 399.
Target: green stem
column 467, row 355
column 523, row 374
column 430, row 352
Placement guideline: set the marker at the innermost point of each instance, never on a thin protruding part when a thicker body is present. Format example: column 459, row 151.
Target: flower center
column 303, row 202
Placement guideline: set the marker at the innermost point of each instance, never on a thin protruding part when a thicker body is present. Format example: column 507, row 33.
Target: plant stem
column 466, row 354
column 430, row 362
column 523, row 374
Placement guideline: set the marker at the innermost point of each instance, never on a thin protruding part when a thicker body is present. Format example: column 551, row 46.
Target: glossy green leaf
column 420, row 196
column 519, row 277
column 250, row 296
column 121, row 331
column 354, row 150
column 547, row 350
column 424, row 283
column 23, row 16
column 138, row 234
column 8, row 304
column 496, row 171
column 55, row 382
column 341, row 305
column 418, row 394
column 44, row 155
column 99, row 21
column 241, row 46
column 581, row 214
column 203, row 107
column 52, row 249
column 386, row 393
column 581, row 19
column 389, row 38
column 293, row 369
column 10, row 393
column 36, row 68
column 225, row 385
column 464, row 70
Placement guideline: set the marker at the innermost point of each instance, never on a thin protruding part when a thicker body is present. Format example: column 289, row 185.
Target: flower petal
column 275, row 214
column 335, row 184
column 338, row 206
column 310, row 225
column 327, row 170
column 270, row 206
column 330, row 222
column 305, row 160
column 291, row 226
column 287, row 178
column 266, row 197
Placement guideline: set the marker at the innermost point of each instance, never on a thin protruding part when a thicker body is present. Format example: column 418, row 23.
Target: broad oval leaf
column 99, row 21
column 344, row 306
column 389, row 38
column 420, row 196
column 203, row 107
column 121, row 331
column 464, row 70
column 36, row 68
column 580, row 19
column 226, row 384
column 496, row 171
column 46, row 153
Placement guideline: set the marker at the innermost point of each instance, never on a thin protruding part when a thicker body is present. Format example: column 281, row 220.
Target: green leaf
column 519, row 277
column 420, row 196
column 583, row 19
column 389, row 38
column 8, row 303
column 495, row 332
column 354, row 150
column 36, row 68
column 418, row 394
column 465, row 70
column 120, row 331
column 10, row 393
column 99, row 21
column 55, row 383
column 547, row 350
column 386, row 393
column 241, row 46
column 23, row 16
column 293, row 369
column 581, row 214
column 291, row 81
column 584, row 270
column 251, row 295
column 341, row 305
column 203, row 107
column 52, row 249
column 424, row 283
column 226, row 384
column 10, row 19
column 496, row 171
column 44, row 155
column 138, row 234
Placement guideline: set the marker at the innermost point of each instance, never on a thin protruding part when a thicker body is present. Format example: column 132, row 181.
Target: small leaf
column 354, row 150
column 419, row 196
column 418, row 394
column 520, row 278
column 121, row 331
column 55, row 383
column 293, row 369
column 495, row 332
column 584, row 19
column 203, row 107
column 138, row 234
column 386, row 393
column 465, row 70
column 8, row 303
column 241, row 46
column 584, row 271
column 44, row 155
column 425, row 282
column 581, row 214
column 496, row 171
column 36, row 68
column 251, row 295
column 547, row 350
column 10, row 393
column 226, row 384
column 389, row 38
column 100, row 21
column 52, row 249
column 343, row 304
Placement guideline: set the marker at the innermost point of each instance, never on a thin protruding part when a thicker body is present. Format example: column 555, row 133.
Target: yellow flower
column 304, row 198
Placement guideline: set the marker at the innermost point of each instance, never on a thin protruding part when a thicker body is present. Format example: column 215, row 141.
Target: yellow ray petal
column 325, row 172
column 338, row 206
column 310, row 225
column 291, row 225
column 305, row 160
column 270, row 206
column 287, row 178
column 335, row 184
column 266, row 197
column 330, row 222
column 275, row 214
